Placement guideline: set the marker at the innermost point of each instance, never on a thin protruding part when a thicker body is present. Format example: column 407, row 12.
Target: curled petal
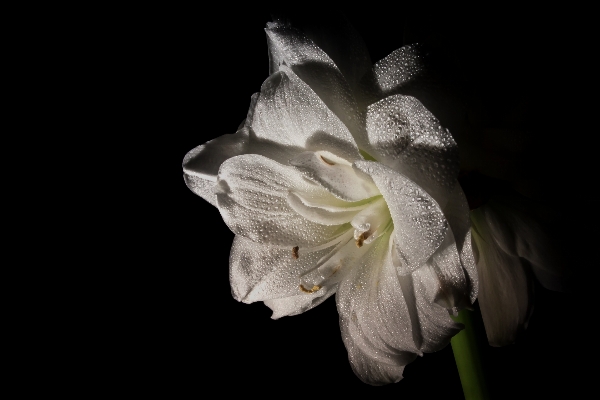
column 419, row 223
column 323, row 211
column 252, row 197
column 336, row 175
column 201, row 164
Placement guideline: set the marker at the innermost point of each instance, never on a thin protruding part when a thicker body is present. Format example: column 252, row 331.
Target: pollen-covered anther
column 361, row 238
column 295, row 252
column 314, row 289
column 326, row 161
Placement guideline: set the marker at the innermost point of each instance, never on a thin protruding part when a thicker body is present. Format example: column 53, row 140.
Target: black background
column 188, row 335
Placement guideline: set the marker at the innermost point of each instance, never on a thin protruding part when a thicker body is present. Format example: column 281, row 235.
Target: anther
column 314, row 289
column 361, row 238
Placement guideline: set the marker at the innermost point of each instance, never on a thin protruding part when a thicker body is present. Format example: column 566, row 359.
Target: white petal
column 322, row 212
column 454, row 287
column 372, row 221
column 436, row 328
column 505, row 287
column 456, row 211
column 337, row 37
column 375, row 321
column 201, row 164
column 289, row 47
column 405, row 136
column 289, row 113
column 336, row 175
column 259, row 272
column 252, row 198
column 336, row 265
column 399, row 68
column 419, row 223
column 295, row 305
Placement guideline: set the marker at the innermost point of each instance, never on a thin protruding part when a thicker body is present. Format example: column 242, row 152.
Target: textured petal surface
column 405, row 136
column 505, row 286
column 292, row 48
column 252, row 198
column 374, row 318
column 419, row 223
column 436, row 328
column 399, row 68
column 336, row 175
column 290, row 114
column 259, row 272
column 323, row 211
column 295, row 305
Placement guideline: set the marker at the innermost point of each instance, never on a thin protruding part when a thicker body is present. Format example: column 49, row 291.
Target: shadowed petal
column 405, row 136
column 505, row 286
column 292, row 48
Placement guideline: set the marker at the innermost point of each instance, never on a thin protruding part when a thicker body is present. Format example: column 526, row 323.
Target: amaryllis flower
column 337, row 183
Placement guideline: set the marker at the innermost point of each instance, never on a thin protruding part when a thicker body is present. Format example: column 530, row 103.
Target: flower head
column 337, row 183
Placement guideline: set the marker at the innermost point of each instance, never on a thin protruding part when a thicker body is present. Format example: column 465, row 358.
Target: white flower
column 338, row 183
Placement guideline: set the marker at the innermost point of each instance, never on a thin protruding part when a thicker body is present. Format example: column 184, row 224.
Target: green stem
column 468, row 359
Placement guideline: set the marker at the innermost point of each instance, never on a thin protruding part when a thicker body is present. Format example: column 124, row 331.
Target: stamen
column 362, row 237
column 314, row 289
column 295, row 252
column 326, row 161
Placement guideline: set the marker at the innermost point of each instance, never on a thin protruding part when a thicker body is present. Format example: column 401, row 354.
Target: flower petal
column 454, row 287
column 419, row 223
column 321, row 211
column 259, row 272
column 376, row 324
column 290, row 114
column 399, row 68
column 405, row 136
column 337, row 37
column 505, row 287
column 295, row 305
column 252, row 198
column 436, row 328
column 201, row 164
column 456, row 211
column 519, row 234
column 292, row 48
column 334, row 174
